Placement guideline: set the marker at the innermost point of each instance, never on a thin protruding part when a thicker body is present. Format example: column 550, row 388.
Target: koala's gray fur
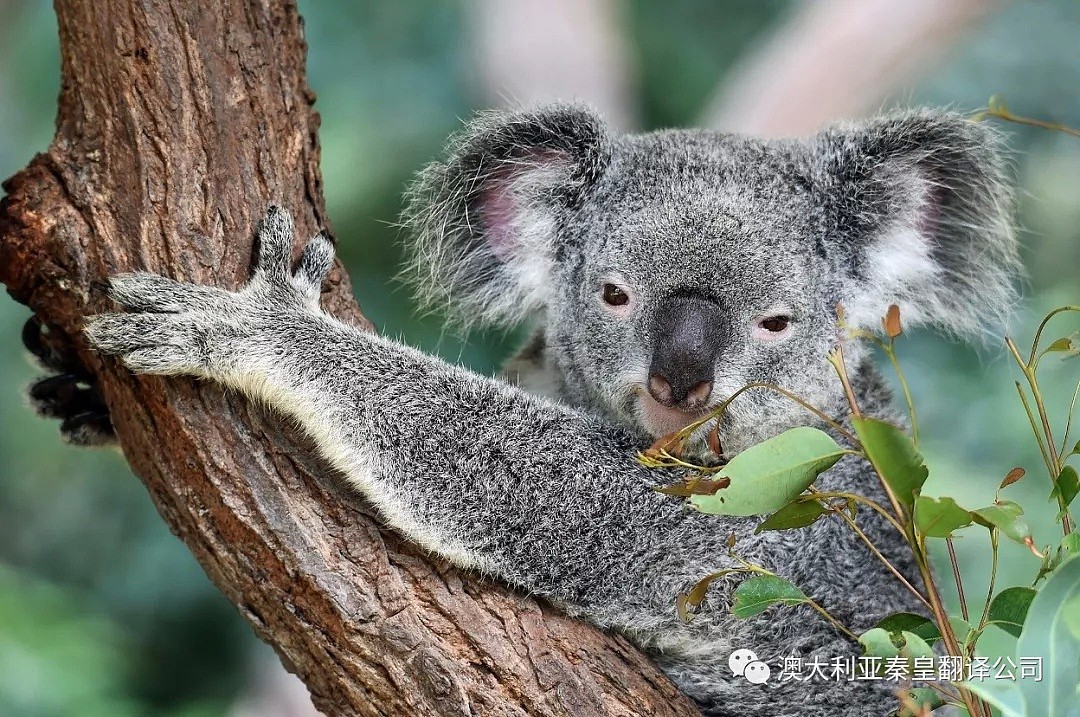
column 528, row 217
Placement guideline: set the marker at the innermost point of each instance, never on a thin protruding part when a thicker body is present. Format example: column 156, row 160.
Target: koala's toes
column 88, row 429
column 162, row 360
column 64, row 395
column 159, row 294
column 78, row 404
column 275, row 244
column 315, row 263
column 37, row 338
column 123, row 333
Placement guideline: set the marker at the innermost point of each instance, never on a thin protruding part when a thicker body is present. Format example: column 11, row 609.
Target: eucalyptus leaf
column 755, row 595
column 877, row 642
column 915, row 646
column 1010, row 607
column 797, row 514
column 1048, row 633
column 768, row 476
column 960, row 627
column 1070, row 612
column 1062, row 344
column 894, row 456
column 1066, row 485
column 900, row 622
column 1005, row 516
column 1003, row 694
column 939, row 517
column 1070, row 544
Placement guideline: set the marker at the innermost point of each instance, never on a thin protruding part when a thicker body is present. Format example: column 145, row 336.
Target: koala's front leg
column 272, row 342
column 469, row 467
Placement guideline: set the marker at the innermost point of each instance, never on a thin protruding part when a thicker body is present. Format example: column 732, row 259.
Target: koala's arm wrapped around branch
column 481, row 473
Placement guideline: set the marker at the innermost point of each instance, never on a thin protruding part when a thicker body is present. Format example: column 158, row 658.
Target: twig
column 959, row 581
column 880, row 556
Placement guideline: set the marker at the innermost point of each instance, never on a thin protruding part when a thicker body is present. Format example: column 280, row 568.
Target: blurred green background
column 103, row 611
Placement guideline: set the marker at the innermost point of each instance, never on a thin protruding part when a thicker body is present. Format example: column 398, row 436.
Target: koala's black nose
column 688, row 335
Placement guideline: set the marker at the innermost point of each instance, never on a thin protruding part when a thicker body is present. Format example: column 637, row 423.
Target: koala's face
column 696, row 271
column 671, row 269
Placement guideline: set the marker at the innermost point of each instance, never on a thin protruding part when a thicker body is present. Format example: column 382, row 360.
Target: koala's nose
column 694, row 397
column 688, row 335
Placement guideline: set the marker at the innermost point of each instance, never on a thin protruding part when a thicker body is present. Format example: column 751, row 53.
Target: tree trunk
column 179, row 122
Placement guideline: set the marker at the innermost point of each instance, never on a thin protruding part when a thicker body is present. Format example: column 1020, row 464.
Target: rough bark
column 178, row 123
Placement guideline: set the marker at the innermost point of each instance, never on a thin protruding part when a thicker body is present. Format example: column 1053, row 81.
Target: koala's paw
column 68, row 393
column 176, row 328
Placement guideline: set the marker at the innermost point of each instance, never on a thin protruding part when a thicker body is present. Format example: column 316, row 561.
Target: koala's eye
column 614, row 296
column 775, row 324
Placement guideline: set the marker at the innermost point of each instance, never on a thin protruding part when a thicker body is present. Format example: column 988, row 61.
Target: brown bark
column 178, row 123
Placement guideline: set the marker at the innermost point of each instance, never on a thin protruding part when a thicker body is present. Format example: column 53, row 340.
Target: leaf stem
column 1003, row 114
column 1068, row 425
column 959, row 580
column 888, row 348
column 1035, row 429
column 720, row 410
column 993, row 577
column 879, row 555
column 941, row 617
column 1046, row 443
column 1032, row 358
column 835, row 623
column 872, row 504
column 836, row 358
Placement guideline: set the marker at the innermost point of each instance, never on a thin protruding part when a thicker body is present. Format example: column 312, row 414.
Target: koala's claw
column 70, row 395
column 275, row 244
column 315, row 263
column 88, row 429
column 274, row 263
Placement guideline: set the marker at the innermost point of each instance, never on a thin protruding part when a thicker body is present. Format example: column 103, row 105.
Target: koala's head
column 669, row 269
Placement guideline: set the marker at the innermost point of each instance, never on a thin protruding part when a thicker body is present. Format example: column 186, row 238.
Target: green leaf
column 900, row 622
column 877, row 642
column 797, row 514
column 915, row 646
column 1009, row 608
column 960, row 627
column 1005, row 516
column 939, row 517
column 894, row 456
column 1070, row 612
column 922, row 697
column 768, row 476
column 1062, row 344
column 1066, row 485
column 1049, row 633
column 756, row 594
column 1003, row 694
column 1070, row 544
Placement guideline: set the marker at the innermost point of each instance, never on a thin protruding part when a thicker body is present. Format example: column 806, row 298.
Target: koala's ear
column 485, row 225
column 919, row 214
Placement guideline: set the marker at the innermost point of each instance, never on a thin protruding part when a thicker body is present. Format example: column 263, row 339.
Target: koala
column 660, row 272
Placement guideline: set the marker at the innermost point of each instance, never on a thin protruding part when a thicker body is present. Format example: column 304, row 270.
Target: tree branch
column 178, row 123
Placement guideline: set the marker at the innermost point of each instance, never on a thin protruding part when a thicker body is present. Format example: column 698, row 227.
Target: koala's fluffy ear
column 485, row 224
column 919, row 213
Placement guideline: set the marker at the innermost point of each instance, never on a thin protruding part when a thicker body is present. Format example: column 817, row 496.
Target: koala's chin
column 659, row 420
